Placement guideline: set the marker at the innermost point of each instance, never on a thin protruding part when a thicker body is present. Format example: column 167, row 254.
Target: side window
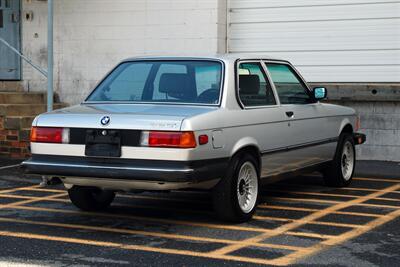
column 254, row 88
column 289, row 88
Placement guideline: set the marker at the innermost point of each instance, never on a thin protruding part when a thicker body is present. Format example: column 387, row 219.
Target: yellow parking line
column 376, row 180
column 30, row 200
column 143, row 218
column 50, row 190
column 327, row 194
column 33, row 198
column 261, row 218
column 11, row 190
column 147, row 233
column 356, row 214
column 275, row 207
column 133, row 247
column 295, row 256
column 379, row 206
column 306, row 234
column 303, row 186
column 334, row 224
column 257, row 217
column 168, row 221
column 312, row 217
column 335, row 202
column 306, row 200
column 312, row 193
column 56, row 199
column 360, row 189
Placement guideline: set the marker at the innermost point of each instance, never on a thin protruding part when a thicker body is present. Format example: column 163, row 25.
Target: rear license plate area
column 103, row 143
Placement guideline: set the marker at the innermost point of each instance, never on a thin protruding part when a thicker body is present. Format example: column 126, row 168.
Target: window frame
column 267, row 78
column 221, row 91
column 296, row 74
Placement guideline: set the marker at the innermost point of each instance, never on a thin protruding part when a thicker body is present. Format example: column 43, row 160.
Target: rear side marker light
column 358, row 123
column 50, row 135
column 203, row 139
column 168, row 139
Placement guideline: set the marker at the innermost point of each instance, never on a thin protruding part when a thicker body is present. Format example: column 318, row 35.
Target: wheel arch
column 247, row 145
column 346, row 127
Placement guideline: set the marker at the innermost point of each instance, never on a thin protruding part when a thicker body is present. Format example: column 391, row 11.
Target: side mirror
column 320, row 93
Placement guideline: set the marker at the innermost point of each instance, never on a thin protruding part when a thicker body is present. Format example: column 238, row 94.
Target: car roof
column 224, row 57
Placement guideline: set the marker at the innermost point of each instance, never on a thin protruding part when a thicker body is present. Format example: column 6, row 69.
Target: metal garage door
column 330, row 40
column 9, row 31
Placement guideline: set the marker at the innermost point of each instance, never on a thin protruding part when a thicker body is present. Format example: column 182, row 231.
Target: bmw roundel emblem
column 105, row 120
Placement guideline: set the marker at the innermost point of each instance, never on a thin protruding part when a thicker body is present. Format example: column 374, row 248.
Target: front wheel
column 235, row 196
column 90, row 198
column 340, row 171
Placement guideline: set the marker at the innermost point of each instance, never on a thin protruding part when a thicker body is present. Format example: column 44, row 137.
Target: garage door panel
column 330, row 28
column 312, row 43
column 236, row 4
column 315, row 13
column 351, row 73
column 330, row 40
column 341, row 58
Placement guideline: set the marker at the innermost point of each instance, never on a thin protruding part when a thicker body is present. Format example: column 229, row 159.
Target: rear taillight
column 168, row 139
column 49, row 135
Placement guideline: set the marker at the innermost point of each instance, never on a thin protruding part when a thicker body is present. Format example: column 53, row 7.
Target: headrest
column 249, row 84
column 178, row 85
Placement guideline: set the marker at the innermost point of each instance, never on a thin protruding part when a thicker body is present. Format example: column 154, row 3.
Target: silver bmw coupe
column 226, row 123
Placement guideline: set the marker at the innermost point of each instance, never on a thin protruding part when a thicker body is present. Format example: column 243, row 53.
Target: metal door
column 10, row 63
column 311, row 131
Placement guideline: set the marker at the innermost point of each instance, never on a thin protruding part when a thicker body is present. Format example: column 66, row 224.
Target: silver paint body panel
column 286, row 144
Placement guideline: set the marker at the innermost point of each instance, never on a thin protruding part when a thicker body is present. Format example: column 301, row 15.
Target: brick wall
column 14, row 142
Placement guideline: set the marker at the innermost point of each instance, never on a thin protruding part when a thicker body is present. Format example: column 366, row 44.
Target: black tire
column 225, row 194
column 333, row 174
column 90, row 198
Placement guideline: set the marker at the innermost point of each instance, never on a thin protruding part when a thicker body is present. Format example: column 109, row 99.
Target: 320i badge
column 224, row 123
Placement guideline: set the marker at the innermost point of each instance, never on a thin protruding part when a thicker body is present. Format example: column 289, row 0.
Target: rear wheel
column 340, row 171
column 90, row 198
column 235, row 196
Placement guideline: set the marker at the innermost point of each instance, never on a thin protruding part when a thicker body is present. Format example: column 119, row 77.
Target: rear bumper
column 359, row 138
column 127, row 169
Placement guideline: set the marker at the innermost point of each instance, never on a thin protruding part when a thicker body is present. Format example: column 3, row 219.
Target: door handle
column 290, row 114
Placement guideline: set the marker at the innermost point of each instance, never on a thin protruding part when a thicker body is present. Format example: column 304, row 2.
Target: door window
column 254, row 88
column 288, row 86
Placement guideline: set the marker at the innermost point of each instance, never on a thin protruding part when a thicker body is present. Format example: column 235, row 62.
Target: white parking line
column 9, row 166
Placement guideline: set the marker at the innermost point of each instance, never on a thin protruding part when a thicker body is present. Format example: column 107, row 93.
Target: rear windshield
column 178, row 81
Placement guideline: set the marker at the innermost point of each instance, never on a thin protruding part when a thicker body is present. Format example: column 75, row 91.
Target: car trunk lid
column 122, row 116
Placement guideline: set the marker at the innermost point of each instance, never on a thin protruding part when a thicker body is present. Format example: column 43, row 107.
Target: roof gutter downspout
column 50, row 58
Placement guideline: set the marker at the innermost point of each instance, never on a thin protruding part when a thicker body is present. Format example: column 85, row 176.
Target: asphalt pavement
column 300, row 222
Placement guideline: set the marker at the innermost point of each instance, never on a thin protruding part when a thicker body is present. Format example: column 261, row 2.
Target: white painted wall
column 330, row 40
column 92, row 36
